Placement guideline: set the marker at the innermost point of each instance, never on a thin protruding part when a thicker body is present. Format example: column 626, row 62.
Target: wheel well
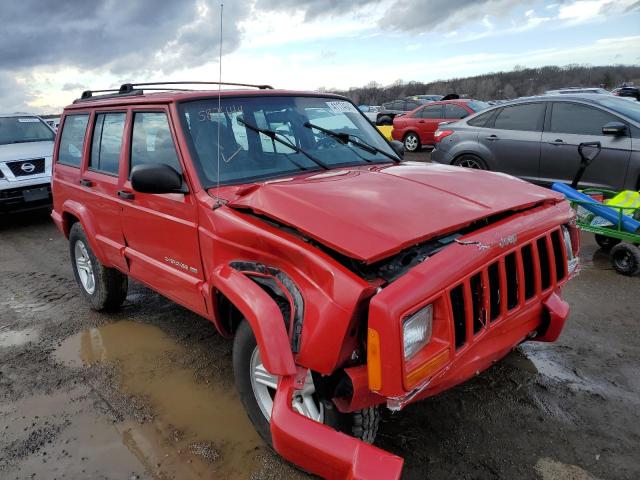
column 228, row 314
column 68, row 220
column 408, row 132
column 231, row 317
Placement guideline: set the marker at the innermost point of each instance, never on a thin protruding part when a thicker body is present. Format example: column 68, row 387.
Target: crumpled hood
column 25, row 151
column 371, row 213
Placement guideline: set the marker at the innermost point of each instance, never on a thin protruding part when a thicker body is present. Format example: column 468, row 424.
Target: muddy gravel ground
column 147, row 392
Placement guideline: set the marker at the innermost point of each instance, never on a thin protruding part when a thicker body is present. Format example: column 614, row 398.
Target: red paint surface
column 366, row 213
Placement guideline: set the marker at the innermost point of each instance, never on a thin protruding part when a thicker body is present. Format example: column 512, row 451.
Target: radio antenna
column 218, row 201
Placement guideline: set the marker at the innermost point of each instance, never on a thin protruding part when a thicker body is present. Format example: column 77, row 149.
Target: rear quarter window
column 72, row 139
column 481, row 120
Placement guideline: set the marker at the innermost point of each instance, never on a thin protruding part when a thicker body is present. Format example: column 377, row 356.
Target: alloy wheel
column 84, row 267
column 305, row 401
column 470, row 163
column 411, row 142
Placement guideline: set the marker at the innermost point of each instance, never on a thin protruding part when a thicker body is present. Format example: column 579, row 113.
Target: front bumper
column 319, row 449
column 21, row 196
column 541, row 322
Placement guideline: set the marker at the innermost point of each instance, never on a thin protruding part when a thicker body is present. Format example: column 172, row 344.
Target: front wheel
column 104, row 288
column 257, row 388
column 411, row 142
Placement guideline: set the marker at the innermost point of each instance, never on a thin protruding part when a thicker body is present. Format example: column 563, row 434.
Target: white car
column 26, row 148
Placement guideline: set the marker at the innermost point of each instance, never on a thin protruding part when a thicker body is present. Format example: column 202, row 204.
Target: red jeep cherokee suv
column 348, row 278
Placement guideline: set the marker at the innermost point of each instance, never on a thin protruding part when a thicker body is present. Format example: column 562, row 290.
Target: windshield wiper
column 274, row 136
column 346, row 138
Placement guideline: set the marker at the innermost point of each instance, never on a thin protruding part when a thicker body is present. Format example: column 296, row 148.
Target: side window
column 151, row 141
column 481, row 120
column 579, row 119
column 106, row 143
column 397, row 105
column 454, row 111
column 526, row 117
column 411, row 106
column 72, row 139
column 433, row 111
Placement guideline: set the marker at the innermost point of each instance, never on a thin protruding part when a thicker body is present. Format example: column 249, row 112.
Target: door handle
column 558, row 141
column 126, row 195
column 420, row 121
column 86, row 183
column 492, row 137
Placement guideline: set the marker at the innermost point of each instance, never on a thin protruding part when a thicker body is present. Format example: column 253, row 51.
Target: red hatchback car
column 347, row 278
column 417, row 127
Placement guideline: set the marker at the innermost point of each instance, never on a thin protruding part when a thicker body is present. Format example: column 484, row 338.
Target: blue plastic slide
column 627, row 223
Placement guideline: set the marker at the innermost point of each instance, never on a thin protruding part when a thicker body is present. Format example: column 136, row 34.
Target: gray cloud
column 444, row 15
column 130, row 39
column 119, row 35
column 315, row 8
column 72, row 87
column 13, row 95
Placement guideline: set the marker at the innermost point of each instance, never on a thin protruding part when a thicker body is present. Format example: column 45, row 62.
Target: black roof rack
column 127, row 89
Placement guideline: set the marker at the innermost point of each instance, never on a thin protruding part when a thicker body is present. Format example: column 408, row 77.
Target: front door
column 570, row 124
column 514, row 139
column 161, row 230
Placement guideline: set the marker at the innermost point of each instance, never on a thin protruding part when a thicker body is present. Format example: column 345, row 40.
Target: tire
column 362, row 424
column 103, row 288
column 625, row 258
column 468, row 160
column 606, row 243
column 385, row 120
column 411, row 142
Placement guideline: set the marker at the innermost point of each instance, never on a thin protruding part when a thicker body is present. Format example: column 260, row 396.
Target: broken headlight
column 416, row 331
column 572, row 260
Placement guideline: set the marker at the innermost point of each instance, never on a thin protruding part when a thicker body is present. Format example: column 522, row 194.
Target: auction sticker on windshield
column 341, row 107
column 28, row 120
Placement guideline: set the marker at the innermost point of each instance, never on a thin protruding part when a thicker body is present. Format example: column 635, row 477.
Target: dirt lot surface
column 148, row 392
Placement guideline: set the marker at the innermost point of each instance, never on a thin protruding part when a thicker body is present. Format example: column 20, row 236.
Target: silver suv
column 26, row 148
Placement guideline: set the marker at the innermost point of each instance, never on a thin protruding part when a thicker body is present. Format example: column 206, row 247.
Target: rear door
column 429, row 118
column 99, row 182
column 161, row 230
column 571, row 123
column 513, row 139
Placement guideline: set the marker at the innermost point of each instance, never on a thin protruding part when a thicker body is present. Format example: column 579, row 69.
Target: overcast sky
column 51, row 50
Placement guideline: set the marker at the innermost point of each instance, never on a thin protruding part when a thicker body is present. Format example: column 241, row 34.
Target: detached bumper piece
column 322, row 450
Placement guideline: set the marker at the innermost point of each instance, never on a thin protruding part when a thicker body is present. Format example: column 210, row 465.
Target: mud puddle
column 195, row 430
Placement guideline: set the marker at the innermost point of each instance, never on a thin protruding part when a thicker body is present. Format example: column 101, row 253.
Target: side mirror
column 398, row 147
column 616, row 129
column 156, row 178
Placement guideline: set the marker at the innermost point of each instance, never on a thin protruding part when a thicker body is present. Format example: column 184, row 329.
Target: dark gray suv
column 537, row 139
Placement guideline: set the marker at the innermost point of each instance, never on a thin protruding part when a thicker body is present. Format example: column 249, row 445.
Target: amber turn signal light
column 374, row 364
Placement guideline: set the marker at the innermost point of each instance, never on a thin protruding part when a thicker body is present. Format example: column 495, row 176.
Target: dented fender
column 263, row 315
